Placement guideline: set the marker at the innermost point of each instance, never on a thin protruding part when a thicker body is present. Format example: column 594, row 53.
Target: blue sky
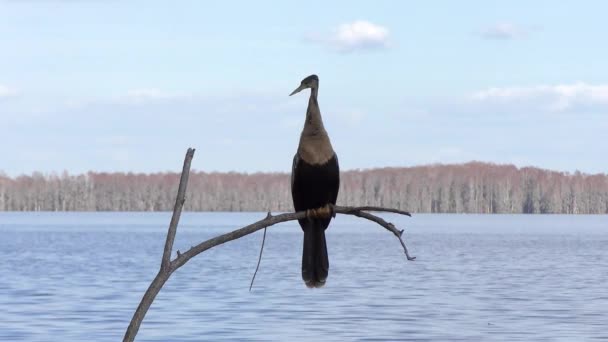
column 129, row 85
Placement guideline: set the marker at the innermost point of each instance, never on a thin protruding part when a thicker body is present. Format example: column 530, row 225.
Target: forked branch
column 169, row 266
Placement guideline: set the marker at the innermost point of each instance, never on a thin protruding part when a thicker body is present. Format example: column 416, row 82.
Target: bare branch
column 259, row 259
column 177, row 209
column 165, row 271
column 268, row 221
column 381, row 209
column 389, row 226
column 271, row 221
column 154, row 288
column 168, row 267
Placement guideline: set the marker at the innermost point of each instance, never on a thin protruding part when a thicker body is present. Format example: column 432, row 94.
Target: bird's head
column 311, row 81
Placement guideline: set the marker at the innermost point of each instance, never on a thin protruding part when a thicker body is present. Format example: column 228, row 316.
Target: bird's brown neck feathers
column 315, row 147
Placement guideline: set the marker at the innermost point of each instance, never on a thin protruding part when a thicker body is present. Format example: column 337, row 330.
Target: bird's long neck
column 315, row 147
column 313, row 126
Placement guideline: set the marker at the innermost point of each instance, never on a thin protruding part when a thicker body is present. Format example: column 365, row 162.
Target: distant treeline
column 465, row 188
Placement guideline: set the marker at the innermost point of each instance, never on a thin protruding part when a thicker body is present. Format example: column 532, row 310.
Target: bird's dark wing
column 294, row 165
column 295, row 190
column 335, row 186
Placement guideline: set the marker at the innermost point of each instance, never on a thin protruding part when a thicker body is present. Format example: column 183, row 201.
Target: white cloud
column 561, row 97
column 6, row 91
column 356, row 36
column 504, row 31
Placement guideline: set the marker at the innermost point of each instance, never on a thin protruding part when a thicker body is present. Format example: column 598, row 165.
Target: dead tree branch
column 177, row 209
column 165, row 267
column 259, row 260
column 169, row 266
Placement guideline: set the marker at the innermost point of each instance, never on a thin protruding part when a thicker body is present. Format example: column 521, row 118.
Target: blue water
column 80, row 276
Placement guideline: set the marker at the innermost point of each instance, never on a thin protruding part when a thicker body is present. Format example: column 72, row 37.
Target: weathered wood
column 165, row 270
column 177, row 209
column 169, row 266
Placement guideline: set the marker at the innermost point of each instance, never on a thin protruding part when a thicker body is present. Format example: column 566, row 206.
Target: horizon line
column 435, row 164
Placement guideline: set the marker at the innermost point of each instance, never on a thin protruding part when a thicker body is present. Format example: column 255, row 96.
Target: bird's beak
column 298, row 89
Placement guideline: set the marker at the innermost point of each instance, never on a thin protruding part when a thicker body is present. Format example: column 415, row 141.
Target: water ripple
column 75, row 277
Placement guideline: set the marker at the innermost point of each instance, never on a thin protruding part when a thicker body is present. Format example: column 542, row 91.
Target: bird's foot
column 310, row 213
column 321, row 213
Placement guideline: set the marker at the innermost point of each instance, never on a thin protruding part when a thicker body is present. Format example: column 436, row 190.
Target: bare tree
column 462, row 188
column 168, row 266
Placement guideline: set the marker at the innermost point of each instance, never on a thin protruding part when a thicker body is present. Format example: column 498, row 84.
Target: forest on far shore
column 473, row 187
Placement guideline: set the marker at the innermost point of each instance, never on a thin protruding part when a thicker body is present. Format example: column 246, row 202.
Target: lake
column 80, row 276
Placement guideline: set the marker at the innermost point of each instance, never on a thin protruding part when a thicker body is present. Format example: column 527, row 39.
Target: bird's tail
column 315, row 263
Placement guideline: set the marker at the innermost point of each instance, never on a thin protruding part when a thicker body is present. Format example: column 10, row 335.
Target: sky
column 112, row 85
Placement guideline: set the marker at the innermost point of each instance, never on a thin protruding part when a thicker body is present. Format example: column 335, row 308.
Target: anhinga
column 315, row 180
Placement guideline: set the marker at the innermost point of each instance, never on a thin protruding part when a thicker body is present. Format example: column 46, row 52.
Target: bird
column 315, row 181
